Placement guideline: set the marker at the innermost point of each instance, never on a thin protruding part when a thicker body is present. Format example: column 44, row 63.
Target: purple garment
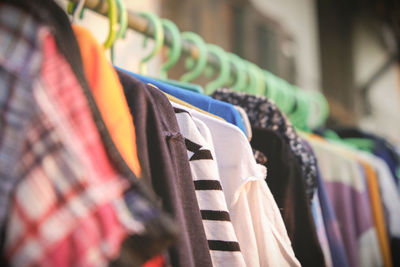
column 333, row 234
column 335, row 240
column 347, row 192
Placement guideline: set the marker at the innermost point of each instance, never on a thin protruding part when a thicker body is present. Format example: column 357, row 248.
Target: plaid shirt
column 64, row 202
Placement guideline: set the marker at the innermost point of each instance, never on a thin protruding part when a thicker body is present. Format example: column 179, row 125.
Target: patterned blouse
column 264, row 113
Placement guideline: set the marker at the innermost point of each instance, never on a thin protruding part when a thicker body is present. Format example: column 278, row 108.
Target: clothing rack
column 144, row 26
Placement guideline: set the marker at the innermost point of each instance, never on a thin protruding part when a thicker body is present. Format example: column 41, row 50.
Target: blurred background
column 347, row 49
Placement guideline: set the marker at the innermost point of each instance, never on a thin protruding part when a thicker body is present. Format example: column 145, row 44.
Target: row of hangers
column 305, row 109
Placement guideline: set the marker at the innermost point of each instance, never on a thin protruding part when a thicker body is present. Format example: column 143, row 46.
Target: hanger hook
column 76, row 10
column 112, row 19
column 225, row 68
column 158, row 39
column 201, row 61
column 176, row 47
column 123, row 19
column 123, row 24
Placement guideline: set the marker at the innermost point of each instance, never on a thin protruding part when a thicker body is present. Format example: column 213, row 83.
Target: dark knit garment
column 163, row 158
column 288, row 188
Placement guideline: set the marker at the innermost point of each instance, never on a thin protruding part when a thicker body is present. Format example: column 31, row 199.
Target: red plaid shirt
column 67, row 208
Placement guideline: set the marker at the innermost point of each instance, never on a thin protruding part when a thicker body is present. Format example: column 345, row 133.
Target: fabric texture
column 390, row 200
column 382, row 148
column 348, row 192
column 206, row 103
column 256, row 219
column 64, row 184
column 377, row 211
column 52, row 174
column 288, row 188
column 165, row 166
column 333, row 234
column 391, row 157
column 246, row 121
column 321, row 231
column 109, row 96
column 222, row 240
column 263, row 113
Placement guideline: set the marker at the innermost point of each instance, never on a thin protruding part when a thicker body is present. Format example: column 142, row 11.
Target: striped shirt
column 222, row 240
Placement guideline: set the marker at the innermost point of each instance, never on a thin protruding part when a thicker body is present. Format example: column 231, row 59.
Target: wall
column 298, row 17
column 384, row 95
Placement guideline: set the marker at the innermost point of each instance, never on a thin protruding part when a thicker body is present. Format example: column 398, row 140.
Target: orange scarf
column 109, row 96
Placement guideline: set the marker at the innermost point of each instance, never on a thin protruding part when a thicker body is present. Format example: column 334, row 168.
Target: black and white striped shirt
column 222, row 240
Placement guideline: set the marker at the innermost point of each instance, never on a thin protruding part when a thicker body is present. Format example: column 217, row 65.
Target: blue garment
column 206, row 103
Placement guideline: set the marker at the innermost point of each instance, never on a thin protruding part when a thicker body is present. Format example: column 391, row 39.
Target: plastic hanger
column 251, row 87
column 261, row 87
column 123, row 24
column 322, row 106
column 112, row 20
column 158, row 39
column 224, row 71
column 240, row 81
column 285, row 102
column 174, row 55
column 76, row 10
column 201, row 62
column 299, row 115
column 357, row 143
column 176, row 47
column 271, row 90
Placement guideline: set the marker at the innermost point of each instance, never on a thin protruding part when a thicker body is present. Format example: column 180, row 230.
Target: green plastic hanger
column 252, row 85
column 112, row 20
column 357, row 143
column 158, row 39
column 201, row 61
column 225, row 68
column 123, row 19
column 174, row 55
column 176, row 47
column 322, row 105
column 286, row 102
column 123, row 25
column 261, row 86
column 76, row 9
column 364, row 144
column 271, row 90
column 299, row 115
column 240, row 81
column 279, row 94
